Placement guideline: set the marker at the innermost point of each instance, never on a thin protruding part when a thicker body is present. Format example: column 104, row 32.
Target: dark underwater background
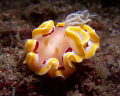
column 98, row 76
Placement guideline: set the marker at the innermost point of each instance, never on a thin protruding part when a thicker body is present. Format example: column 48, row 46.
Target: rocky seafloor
column 98, row 76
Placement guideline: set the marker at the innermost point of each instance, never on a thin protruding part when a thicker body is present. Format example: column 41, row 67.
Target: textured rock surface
column 97, row 76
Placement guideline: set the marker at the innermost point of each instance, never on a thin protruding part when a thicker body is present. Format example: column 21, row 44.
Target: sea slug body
column 53, row 49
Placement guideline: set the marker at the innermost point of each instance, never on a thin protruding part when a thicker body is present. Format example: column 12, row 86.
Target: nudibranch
column 53, row 50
